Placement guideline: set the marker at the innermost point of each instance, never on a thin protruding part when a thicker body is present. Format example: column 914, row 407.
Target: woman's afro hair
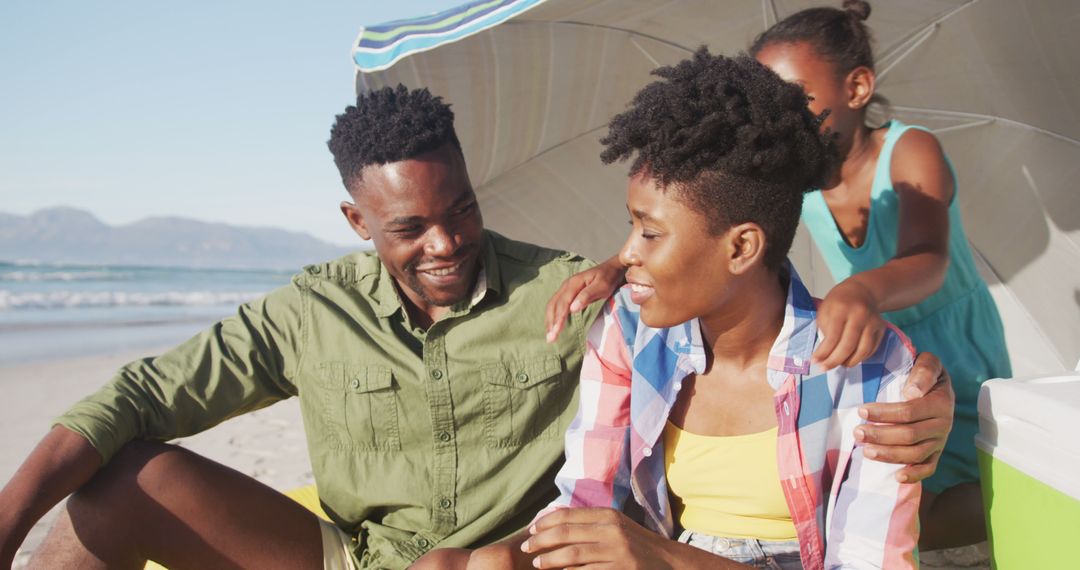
column 734, row 141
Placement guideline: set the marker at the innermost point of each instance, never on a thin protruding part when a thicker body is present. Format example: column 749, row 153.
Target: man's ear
column 356, row 219
column 745, row 246
column 860, row 86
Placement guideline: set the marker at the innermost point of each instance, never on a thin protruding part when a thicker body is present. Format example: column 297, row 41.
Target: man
column 434, row 407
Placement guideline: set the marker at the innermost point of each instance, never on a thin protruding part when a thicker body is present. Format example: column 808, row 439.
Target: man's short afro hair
column 734, row 141
column 389, row 125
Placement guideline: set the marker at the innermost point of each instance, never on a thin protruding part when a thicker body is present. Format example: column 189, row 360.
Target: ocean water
column 59, row 311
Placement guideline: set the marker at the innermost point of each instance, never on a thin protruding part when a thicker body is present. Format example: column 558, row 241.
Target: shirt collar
column 793, row 346
column 795, row 343
column 388, row 300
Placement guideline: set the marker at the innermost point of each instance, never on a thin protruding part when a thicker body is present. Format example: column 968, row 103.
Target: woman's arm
column 580, row 290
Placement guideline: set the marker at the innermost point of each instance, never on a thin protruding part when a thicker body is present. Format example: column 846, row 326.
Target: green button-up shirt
column 448, row 436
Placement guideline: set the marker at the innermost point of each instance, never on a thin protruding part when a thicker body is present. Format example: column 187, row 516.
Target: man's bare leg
column 162, row 502
column 952, row 518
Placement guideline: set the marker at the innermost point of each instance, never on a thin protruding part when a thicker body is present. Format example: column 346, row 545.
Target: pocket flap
column 370, row 379
column 522, row 374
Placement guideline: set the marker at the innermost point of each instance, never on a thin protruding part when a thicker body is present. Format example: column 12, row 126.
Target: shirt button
column 787, row 409
column 678, row 386
column 647, row 452
column 797, row 361
column 436, row 374
column 445, row 503
column 722, row 544
column 444, row 435
column 423, row 543
column 355, row 383
column 522, row 377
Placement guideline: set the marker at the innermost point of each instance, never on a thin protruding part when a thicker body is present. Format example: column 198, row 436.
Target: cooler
column 1029, row 458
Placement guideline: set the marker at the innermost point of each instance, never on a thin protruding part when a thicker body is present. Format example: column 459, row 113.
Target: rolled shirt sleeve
column 240, row 364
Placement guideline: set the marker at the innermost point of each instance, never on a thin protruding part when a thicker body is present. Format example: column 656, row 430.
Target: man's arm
column 911, row 432
column 61, row 463
column 240, row 364
column 237, row 365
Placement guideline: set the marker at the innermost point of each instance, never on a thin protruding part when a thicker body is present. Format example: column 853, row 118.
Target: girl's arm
column 850, row 316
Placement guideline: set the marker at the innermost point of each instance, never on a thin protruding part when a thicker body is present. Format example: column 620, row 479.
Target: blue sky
column 214, row 110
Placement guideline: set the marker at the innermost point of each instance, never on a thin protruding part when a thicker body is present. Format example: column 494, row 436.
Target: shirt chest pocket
column 524, row 399
column 360, row 407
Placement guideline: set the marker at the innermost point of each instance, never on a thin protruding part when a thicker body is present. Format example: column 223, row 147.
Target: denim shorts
column 770, row 554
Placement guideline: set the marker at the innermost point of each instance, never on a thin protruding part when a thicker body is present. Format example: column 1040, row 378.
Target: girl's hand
column 579, row 291
column 851, row 325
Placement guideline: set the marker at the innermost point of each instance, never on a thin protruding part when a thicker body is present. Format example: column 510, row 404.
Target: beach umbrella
column 534, row 83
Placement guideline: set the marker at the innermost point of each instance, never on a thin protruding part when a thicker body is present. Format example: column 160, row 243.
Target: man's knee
column 135, row 470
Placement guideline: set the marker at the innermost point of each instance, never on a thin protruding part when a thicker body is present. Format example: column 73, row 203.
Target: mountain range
column 71, row 235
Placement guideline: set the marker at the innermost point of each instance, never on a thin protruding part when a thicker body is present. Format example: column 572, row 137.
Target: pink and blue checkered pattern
column 848, row 510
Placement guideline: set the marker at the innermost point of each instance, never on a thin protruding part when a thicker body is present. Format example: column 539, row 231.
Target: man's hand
column 581, row 290
column 851, row 325
column 911, row 432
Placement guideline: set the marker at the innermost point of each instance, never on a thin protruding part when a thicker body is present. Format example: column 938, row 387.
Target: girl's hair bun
column 858, row 8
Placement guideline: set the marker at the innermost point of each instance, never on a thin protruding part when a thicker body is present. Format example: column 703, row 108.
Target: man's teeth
column 639, row 288
column 443, row 271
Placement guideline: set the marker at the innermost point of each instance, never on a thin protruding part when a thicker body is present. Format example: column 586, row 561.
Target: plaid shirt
column 848, row 511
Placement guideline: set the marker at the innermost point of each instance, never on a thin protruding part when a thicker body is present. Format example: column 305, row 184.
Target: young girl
column 698, row 395
column 888, row 223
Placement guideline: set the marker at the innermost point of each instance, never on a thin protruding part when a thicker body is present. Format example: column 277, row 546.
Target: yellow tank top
column 727, row 486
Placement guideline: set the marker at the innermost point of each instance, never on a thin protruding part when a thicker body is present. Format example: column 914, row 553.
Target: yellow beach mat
column 307, row 496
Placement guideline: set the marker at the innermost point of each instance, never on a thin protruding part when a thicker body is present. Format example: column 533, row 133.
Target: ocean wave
column 38, row 276
column 79, row 299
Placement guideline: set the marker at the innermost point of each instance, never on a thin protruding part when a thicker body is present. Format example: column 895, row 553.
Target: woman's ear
column 860, row 86
column 746, row 247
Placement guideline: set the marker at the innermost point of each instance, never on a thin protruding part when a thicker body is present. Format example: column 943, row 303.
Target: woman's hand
column 595, row 538
column 580, row 290
column 605, row 538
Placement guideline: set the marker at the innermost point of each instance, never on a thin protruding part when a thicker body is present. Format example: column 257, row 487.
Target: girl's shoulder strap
column 883, row 171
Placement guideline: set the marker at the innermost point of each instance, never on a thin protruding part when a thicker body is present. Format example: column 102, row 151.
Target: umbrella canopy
column 534, row 83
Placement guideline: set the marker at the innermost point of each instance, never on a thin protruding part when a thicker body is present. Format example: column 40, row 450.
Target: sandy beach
column 268, row 444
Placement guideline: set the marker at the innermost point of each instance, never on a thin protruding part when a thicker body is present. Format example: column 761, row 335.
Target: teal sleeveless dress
column 959, row 324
